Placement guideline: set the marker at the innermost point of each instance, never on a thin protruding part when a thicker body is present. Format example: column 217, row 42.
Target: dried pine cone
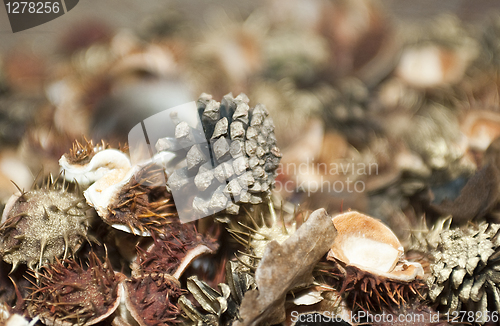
column 68, row 294
column 42, row 224
column 236, row 165
column 465, row 272
column 347, row 111
column 220, row 308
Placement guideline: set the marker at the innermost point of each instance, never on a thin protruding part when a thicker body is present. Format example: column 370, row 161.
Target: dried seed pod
column 81, row 154
column 347, row 111
column 424, row 238
column 173, row 250
column 464, row 274
column 220, row 307
column 237, row 164
column 132, row 199
column 68, row 294
column 439, row 55
column 481, row 127
column 152, row 299
column 42, row 224
column 89, row 163
column 369, row 263
column 260, row 229
column 142, row 205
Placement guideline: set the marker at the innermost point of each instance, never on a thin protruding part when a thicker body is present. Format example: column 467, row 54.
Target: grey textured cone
column 236, row 165
column 465, row 274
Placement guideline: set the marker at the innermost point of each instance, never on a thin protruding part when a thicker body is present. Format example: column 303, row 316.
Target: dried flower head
column 44, row 223
column 464, row 274
column 68, row 294
column 369, row 264
column 152, row 299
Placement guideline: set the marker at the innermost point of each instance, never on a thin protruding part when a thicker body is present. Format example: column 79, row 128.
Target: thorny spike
column 249, row 255
column 20, row 191
column 66, row 245
column 238, row 238
column 251, row 218
column 15, row 264
column 244, row 263
column 272, row 212
column 35, row 179
column 43, row 242
column 282, row 218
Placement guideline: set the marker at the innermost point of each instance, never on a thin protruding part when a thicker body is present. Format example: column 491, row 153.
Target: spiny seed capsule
column 82, row 153
column 369, row 265
column 255, row 230
column 68, row 294
column 174, row 250
column 42, row 224
column 142, row 205
column 152, row 299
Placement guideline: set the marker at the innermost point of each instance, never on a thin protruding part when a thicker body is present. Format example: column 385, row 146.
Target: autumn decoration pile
column 336, row 160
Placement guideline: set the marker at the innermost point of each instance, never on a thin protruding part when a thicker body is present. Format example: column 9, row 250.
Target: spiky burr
column 44, row 223
column 152, row 299
column 68, row 294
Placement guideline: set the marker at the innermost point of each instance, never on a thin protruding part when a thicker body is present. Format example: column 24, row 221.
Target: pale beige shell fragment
column 7, row 318
column 433, row 65
column 111, row 163
column 481, row 128
column 366, row 243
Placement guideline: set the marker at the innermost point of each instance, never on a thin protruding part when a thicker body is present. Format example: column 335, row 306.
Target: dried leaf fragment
column 285, row 267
